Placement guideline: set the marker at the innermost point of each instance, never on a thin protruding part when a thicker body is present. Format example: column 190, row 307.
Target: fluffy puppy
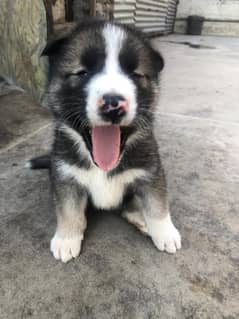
column 103, row 80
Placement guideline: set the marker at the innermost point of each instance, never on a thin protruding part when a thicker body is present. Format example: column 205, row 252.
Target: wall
column 222, row 16
column 23, row 35
column 153, row 17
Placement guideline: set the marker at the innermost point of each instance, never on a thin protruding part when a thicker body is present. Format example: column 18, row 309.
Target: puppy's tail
column 40, row 162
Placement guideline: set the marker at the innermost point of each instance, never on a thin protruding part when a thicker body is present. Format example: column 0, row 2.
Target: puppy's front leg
column 70, row 203
column 157, row 216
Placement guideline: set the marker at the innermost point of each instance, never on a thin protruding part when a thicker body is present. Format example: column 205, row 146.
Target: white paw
column 164, row 234
column 66, row 248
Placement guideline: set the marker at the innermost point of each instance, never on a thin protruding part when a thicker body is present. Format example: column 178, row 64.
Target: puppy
column 103, row 80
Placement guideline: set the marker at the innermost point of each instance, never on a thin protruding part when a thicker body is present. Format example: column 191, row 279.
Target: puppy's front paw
column 66, row 248
column 165, row 235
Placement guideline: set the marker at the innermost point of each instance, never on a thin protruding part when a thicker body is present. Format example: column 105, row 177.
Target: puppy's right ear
column 54, row 46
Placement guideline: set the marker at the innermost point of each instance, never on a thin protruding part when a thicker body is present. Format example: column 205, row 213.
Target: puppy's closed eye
column 80, row 73
column 138, row 75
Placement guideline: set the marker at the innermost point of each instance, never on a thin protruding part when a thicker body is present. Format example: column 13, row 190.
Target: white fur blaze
column 64, row 248
column 164, row 234
column 111, row 80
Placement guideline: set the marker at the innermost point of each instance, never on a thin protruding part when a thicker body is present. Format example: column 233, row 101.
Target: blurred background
column 25, row 26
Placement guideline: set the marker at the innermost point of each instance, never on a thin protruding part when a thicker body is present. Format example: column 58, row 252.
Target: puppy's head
column 102, row 79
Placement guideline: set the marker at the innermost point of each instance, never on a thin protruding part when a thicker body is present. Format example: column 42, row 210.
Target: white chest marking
column 106, row 192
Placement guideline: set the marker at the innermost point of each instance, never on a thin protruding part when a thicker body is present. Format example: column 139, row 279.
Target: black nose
column 112, row 100
column 112, row 109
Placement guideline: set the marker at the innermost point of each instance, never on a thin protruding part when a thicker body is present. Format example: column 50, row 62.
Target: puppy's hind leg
column 134, row 216
column 70, row 205
column 151, row 214
column 161, row 229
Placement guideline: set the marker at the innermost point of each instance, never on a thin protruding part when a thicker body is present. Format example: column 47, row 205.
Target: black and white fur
column 100, row 58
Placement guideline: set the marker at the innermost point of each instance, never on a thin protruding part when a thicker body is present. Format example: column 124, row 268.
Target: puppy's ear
column 54, row 46
column 58, row 40
column 158, row 61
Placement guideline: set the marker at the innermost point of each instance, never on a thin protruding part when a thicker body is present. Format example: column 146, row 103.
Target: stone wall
column 23, row 33
column 212, row 9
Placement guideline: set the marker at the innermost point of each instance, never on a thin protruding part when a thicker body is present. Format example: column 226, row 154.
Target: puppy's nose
column 113, row 108
column 112, row 100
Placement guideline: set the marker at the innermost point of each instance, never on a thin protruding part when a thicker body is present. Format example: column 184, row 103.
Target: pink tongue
column 106, row 146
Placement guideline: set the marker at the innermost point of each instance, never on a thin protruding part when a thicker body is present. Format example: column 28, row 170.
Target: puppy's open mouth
column 105, row 144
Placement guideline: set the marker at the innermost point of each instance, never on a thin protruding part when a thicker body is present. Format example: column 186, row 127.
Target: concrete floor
column 120, row 274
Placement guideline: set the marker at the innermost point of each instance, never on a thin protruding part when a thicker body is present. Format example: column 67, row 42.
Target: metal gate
column 171, row 15
column 124, row 11
column 151, row 16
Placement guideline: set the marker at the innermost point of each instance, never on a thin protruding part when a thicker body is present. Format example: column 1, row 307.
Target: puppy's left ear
column 158, row 61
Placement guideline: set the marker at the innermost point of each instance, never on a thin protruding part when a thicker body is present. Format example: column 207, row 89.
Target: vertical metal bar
column 69, row 16
column 92, row 8
column 111, row 12
column 49, row 17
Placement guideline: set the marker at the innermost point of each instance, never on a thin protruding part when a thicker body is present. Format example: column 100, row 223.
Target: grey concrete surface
column 200, row 82
column 19, row 117
column 120, row 274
